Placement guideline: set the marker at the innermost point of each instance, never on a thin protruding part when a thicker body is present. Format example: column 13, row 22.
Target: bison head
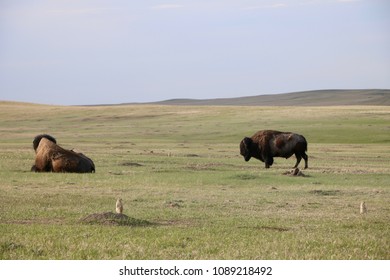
column 245, row 148
column 38, row 138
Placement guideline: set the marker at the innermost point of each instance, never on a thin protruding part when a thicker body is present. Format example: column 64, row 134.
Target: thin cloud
column 292, row 4
column 167, row 6
column 278, row 5
column 85, row 11
column 271, row 6
column 348, row 1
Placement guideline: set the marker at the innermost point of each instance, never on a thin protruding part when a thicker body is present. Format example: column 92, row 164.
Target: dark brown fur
column 264, row 145
column 52, row 158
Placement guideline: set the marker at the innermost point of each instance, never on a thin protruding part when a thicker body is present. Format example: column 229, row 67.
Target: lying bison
column 264, row 145
column 49, row 157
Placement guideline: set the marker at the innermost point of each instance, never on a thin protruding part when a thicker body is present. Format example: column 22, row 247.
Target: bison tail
column 304, row 143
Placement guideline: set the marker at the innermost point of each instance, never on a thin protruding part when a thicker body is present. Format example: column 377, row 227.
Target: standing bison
column 49, row 157
column 264, row 145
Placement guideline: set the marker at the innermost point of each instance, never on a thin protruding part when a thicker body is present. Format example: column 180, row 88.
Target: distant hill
column 305, row 98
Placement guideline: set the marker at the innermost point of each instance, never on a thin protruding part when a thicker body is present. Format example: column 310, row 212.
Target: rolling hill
column 305, row 98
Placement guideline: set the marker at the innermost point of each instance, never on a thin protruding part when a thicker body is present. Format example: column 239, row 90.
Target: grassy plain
column 179, row 168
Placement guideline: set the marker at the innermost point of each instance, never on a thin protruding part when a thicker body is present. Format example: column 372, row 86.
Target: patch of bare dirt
column 271, row 228
column 295, row 172
column 42, row 221
column 175, row 203
column 127, row 163
column 325, row 192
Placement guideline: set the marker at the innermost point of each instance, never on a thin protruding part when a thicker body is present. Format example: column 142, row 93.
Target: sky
column 83, row 52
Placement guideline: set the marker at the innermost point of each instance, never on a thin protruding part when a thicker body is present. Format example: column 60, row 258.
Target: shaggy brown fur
column 264, row 145
column 52, row 158
column 38, row 138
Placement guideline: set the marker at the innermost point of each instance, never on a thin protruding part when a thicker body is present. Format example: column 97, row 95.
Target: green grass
column 178, row 170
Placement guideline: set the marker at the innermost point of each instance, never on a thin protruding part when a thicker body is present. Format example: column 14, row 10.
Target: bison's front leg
column 268, row 162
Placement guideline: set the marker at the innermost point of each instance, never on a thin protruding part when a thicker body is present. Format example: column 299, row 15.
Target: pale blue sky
column 114, row 51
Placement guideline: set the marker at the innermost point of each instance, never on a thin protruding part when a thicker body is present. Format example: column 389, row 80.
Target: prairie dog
column 119, row 206
column 363, row 208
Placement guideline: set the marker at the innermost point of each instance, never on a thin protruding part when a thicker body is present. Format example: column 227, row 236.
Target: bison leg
column 268, row 162
column 299, row 157
column 304, row 155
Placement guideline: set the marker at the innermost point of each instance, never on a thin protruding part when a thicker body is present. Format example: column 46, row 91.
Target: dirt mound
column 295, row 172
column 113, row 219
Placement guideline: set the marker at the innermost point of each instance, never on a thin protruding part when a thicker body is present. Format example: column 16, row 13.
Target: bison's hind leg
column 299, row 158
column 305, row 157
